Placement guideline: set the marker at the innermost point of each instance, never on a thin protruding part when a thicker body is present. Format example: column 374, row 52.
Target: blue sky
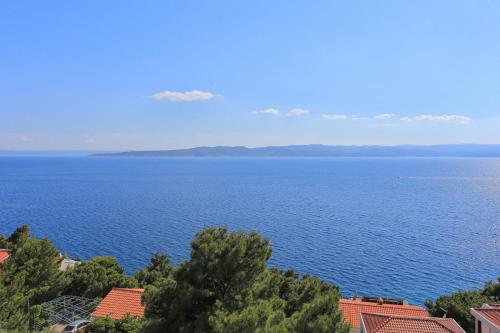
column 119, row 75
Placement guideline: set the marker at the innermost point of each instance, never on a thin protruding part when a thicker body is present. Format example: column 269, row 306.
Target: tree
column 30, row 276
column 227, row 287
column 128, row 324
column 19, row 236
column 492, row 290
column 158, row 269
column 221, row 269
column 320, row 315
column 96, row 278
column 37, row 263
column 458, row 305
column 309, row 304
column 263, row 316
column 13, row 305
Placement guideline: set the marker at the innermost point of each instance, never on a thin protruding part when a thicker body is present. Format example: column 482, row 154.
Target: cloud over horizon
column 334, row 117
column 445, row 118
column 269, row 111
column 297, row 112
column 384, row 116
column 188, row 96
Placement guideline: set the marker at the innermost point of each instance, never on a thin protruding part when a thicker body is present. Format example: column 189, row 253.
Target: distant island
column 317, row 150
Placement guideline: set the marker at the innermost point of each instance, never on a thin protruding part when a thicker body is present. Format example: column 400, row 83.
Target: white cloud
column 270, row 111
column 188, row 96
column 334, row 117
column 297, row 112
column 384, row 116
column 355, row 118
column 445, row 118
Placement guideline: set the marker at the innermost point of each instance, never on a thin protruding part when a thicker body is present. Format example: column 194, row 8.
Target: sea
column 409, row 228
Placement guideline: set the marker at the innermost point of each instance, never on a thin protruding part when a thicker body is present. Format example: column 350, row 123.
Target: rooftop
column 352, row 310
column 379, row 323
column 489, row 313
column 67, row 264
column 121, row 302
column 4, row 255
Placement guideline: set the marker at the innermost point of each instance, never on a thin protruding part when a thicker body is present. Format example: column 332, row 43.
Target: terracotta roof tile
column 492, row 314
column 4, row 255
column 352, row 310
column 379, row 323
column 119, row 303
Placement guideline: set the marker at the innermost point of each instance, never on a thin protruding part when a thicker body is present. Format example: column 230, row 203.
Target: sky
column 130, row 75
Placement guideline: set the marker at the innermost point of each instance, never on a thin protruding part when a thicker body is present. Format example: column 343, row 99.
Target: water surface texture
column 408, row 228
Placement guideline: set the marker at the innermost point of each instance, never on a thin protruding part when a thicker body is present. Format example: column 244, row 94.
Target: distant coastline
column 317, row 150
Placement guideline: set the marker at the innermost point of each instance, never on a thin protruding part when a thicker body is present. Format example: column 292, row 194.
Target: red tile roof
column 119, row 303
column 352, row 310
column 379, row 323
column 491, row 314
column 4, row 255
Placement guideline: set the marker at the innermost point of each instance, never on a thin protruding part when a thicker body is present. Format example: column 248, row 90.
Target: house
column 487, row 318
column 120, row 303
column 68, row 264
column 4, row 255
column 383, row 323
column 352, row 310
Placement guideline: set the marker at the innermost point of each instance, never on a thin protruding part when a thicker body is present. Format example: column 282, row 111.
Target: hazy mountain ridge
column 316, row 150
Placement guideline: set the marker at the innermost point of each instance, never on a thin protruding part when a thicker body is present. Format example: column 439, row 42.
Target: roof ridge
column 129, row 289
column 409, row 317
column 439, row 321
column 382, row 324
column 373, row 304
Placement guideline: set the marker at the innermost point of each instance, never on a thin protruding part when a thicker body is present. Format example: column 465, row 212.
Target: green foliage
column 96, row 277
column 30, row 276
column 492, row 290
column 13, row 305
column 45, row 330
column 263, row 316
column 320, row 315
column 222, row 268
column 158, row 270
column 48, row 330
column 125, row 325
column 458, row 305
column 309, row 304
column 227, row 287
column 36, row 263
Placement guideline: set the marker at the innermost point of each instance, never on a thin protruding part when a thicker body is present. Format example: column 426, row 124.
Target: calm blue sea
column 409, row 228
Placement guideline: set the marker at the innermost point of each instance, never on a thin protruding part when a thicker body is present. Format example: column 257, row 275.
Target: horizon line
column 243, row 146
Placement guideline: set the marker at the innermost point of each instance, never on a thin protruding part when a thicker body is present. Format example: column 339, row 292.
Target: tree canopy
column 458, row 304
column 158, row 270
column 30, row 276
column 96, row 278
column 226, row 286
